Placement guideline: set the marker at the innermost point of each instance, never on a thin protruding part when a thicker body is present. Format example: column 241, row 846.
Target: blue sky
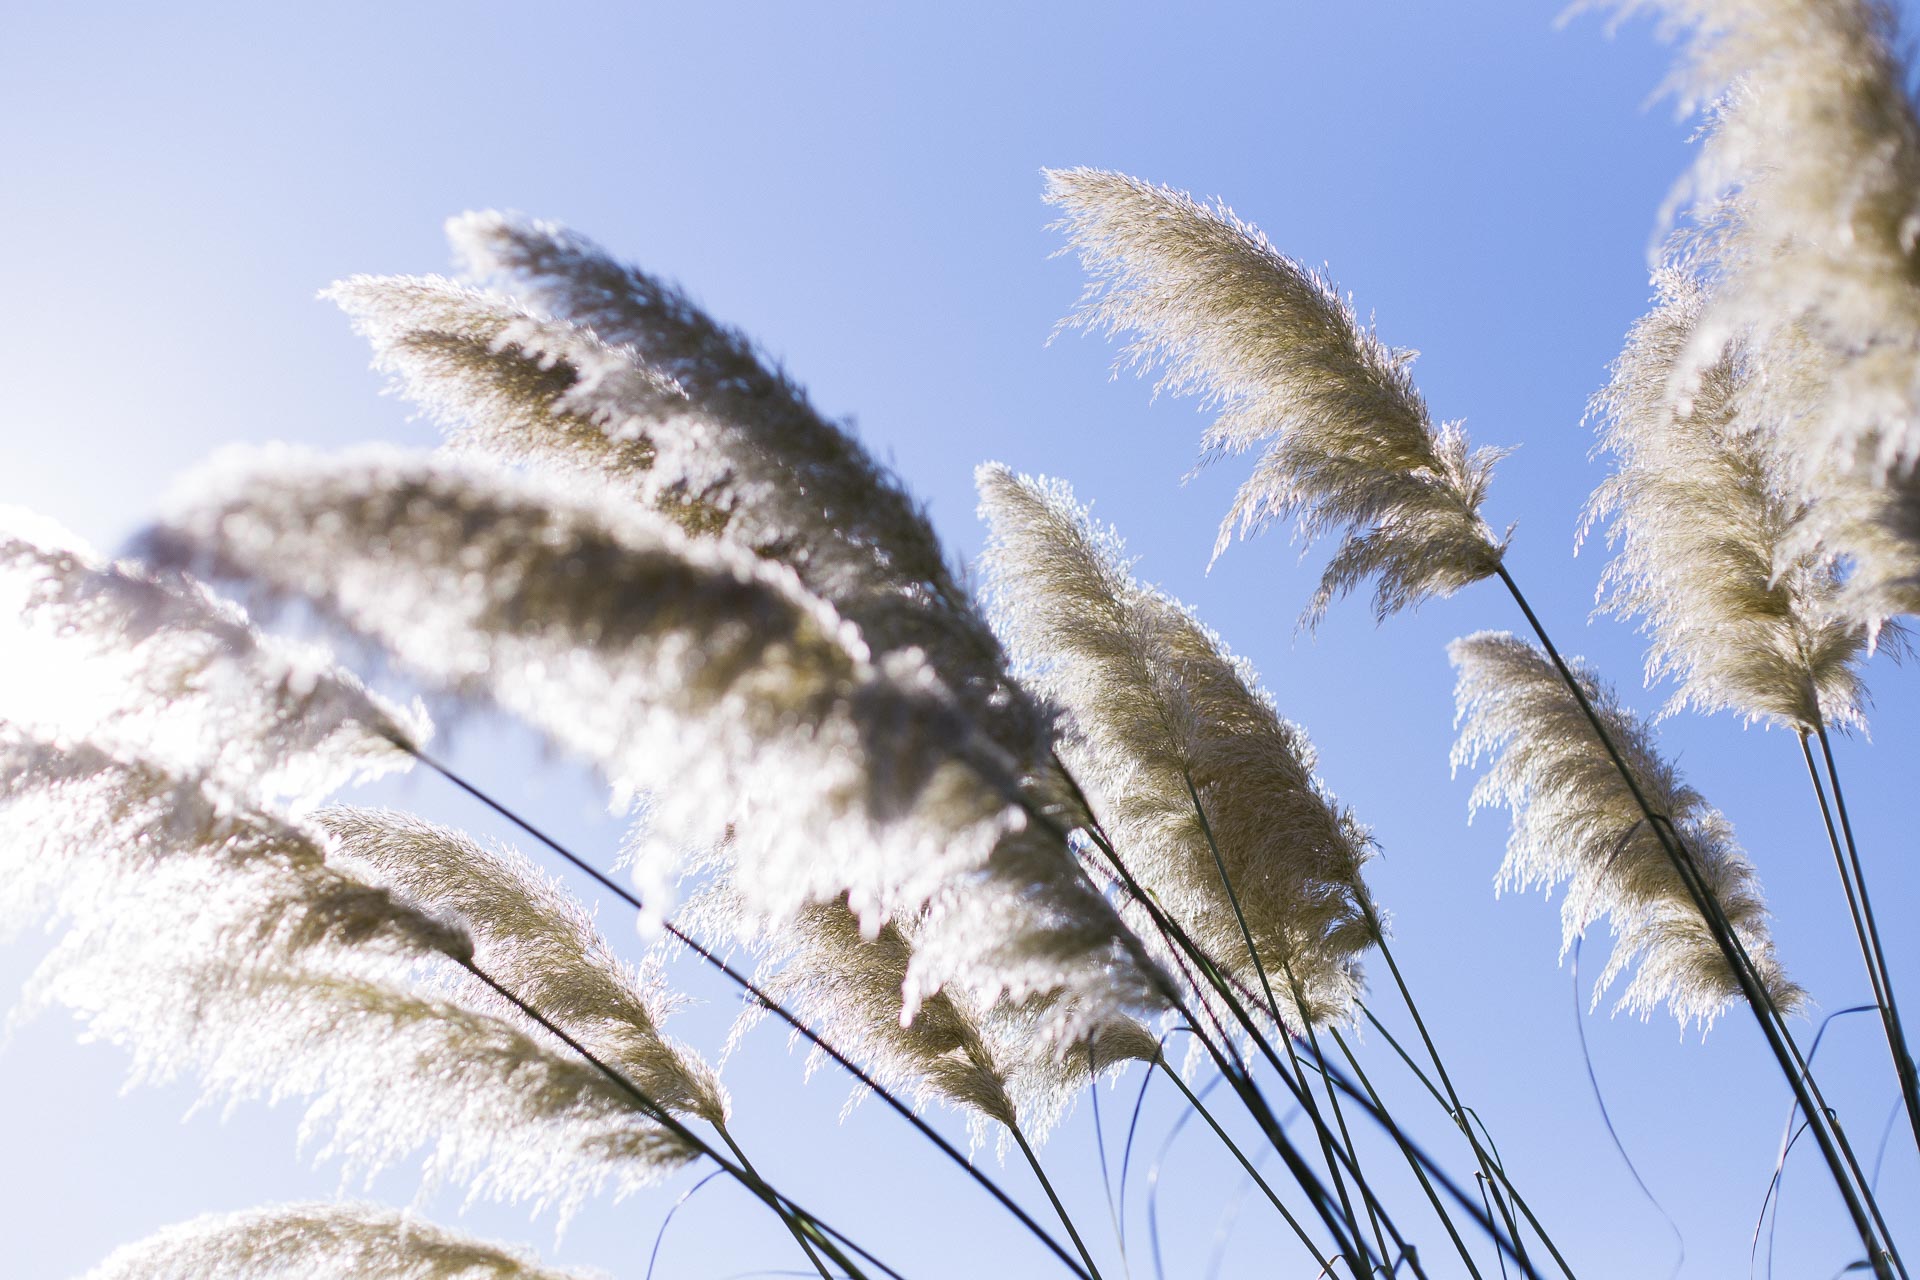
column 858, row 187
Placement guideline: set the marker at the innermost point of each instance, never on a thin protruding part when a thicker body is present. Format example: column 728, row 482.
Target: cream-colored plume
column 161, row 668
column 1018, row 1062
column 1349, row 446
column 821, row 966
column 1815, row 141
column 696, row 671
column 762, row 465
column 1575, row 822
column 1706, row 514
column 215, row 940
column 317, row 1241
column 505, row 382
column 1162, row 724
column 531, row 936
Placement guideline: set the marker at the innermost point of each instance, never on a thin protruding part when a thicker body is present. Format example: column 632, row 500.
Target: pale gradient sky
column 857, row 186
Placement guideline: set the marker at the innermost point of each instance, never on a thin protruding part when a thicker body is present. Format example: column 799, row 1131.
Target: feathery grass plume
column 740, row 437
column 789, row 483
column 218, row 941
column 689, row 668
column 1575, row 821
column 103, row 652
column 846, row 984
column 1273, row 347
column 1704, row 515
column 1007, row 1060
column 320, row 1241
column 1814, row 133
column 531, row 936
column 500, row 380
column 83, row 828
column 531, row 391
column 1159, row 713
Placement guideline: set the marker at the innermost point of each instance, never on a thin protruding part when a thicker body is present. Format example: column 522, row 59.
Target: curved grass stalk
column 1228, row 1061
column 1433, row 1198
column 1200, row 1108
column 1861, row 1205
column 1606, row 1118
column 1053, row 1197
column 1866, row 929
column 1490, row 1164
column 1300, row 1003
column 805, row 1226
column 750, row 988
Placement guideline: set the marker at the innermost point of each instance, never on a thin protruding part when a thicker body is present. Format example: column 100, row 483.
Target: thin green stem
column 799, row 1236
column 1903, row 1064
column 1193, row 1100
column 1046, row 1185
column 1490, row 1164
column 773, row 1006
column 1226, row 1058
column 1433, row 1197
column 788, row 1210
column 1461, row 1117
column 1280, row 1027
column 1178, row 939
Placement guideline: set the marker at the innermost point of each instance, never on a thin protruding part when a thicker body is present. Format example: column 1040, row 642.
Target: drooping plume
column 505, row 382
column 847, row 986
column 1815, row 142
column 1576, row 823
column 161, row 668
column 319, row 1241
column 530, row 935
column 84, row 829
column 215, row 940
column 693, row 670
column 1348, row 444
column 1707, row 518
column 695, row 421
column 1181, row 753
column 1018, row 1062
column 748, row 444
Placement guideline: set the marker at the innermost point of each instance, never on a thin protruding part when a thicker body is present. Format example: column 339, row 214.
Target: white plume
column 160, row 667
column 1349, row 446
column 317, row 1241
column 1575, row 822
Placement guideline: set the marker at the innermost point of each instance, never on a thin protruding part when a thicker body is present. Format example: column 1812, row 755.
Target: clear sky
column 857, row 186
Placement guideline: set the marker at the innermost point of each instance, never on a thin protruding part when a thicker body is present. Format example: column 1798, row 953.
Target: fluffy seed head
column 532, row 937
column 745, row 441
column 1181, row 753
column 691, row 669
column 1014, row 1061
column 508, row 383
column 1272, row 347
column 1575, row 822
column 320, row 1241
column 160, row 668
column 217, row 941
column 1815, row 143
column 1707, row 519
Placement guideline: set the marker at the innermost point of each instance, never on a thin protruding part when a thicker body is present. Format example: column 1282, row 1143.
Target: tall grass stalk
column 1853, row 881
column 1350, row 1153
column 1855, row 1192
column 720, row 965
column 1221, row 1048
column 808, row 1230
